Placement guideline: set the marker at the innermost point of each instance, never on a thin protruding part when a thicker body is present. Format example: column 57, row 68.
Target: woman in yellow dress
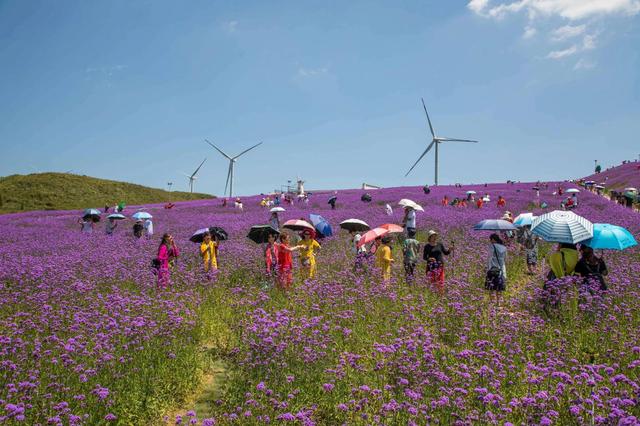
column 308, row 246
column 384, row 259
column 208, row 252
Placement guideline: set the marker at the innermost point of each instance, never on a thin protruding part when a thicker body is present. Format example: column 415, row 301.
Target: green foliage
column 64, row 191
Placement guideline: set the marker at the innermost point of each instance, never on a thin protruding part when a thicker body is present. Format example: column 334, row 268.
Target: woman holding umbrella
column 86, row 224
column 496, row 274
column 110, row 226
column 308, row 246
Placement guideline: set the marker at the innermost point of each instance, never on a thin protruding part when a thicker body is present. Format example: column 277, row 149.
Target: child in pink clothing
column 166, row 252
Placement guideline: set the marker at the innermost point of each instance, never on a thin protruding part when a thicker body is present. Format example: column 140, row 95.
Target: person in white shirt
column 359, row 252
column 388, row 210
column 409, row 220
column 148, row 227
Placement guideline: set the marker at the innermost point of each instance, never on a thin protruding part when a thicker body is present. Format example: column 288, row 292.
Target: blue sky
column 128, row 90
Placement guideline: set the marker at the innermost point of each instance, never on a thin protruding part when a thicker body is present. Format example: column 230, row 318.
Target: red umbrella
column 392, row 228
column 299, row 225
column 369, row 236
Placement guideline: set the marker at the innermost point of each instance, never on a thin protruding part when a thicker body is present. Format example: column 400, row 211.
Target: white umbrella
column 562, row 227
column 277, row 210
column 572, row 191
column 411, row 204
column 471, row 192
column 354, row 225
column 631, row 189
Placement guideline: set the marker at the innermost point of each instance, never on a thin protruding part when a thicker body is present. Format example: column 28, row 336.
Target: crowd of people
column 278, row 250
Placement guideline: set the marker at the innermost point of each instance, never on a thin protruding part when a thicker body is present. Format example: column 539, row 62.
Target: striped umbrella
column 610, row 237
column 562, row 227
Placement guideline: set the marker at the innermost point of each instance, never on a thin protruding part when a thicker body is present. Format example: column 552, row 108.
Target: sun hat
column 431, row 233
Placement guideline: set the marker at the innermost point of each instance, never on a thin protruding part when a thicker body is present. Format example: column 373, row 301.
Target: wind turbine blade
column 423, row 154
column 456, row 140
column 194, row 173
column 247, row 150
column 184, row 174
column 218, row 149
column 433, row 133
column 228, row 176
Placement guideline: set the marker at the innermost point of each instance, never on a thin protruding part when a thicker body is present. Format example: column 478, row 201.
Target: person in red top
column 285, row 262
column 501, row 201
column 479, row 203
column 445, row 201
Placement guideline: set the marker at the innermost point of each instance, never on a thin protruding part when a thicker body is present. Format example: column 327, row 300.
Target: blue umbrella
column 524, row 219
column 142, row 216
column 321, row 224
column 494, row 225
column 561, row 226
column 610, row 237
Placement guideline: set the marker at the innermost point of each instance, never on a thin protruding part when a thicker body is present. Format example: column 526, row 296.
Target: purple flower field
column 87, row 338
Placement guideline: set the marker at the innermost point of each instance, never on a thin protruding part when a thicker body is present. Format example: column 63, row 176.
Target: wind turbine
column 232, row 161
column 191, row 177
column 435, row 141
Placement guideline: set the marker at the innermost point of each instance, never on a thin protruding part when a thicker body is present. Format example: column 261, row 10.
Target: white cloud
column 312, row 72
column 559, row 54
column 569, row 9
column 568, row 31
column 529, row 32
column 478, row 6
column 550, row 11
column 584, row 64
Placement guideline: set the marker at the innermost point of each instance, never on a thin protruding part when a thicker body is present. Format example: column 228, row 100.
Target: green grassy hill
column 63, row 191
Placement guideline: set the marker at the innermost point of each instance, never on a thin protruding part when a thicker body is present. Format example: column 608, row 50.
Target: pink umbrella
column 371, row 235
column 392, row 228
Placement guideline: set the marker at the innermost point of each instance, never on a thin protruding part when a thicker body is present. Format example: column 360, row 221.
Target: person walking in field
column 271, row 252
column 433, row 254
column 148, row 228
column 410, row 250
column 384, row 258
column 496, row 272
column 208, row 250
column 529, row 242
column 360, row 252
column 138, row 229
column 110, row 226
column 307, row 254
column 409, row 220
column 274, row 221
column 86, row 225
column 167, row 251
column 285, row 262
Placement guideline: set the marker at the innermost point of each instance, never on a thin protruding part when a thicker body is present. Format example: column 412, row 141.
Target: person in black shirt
column 138, row 227
column 591, row 267
column 434, row 253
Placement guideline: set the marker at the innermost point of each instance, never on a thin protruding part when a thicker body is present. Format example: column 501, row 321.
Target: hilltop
column 64, row 191
column 619, row 177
